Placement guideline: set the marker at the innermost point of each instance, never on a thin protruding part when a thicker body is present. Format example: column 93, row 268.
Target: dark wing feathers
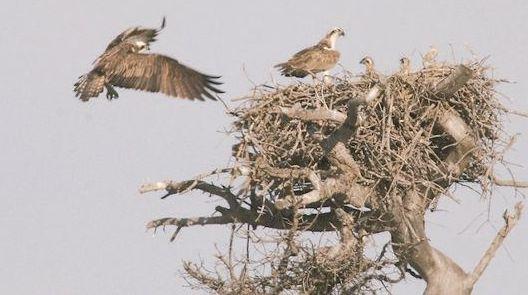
column 121, row 67
column 159, row 73
column 311, row 60
column 89, row 85
column 137, row 34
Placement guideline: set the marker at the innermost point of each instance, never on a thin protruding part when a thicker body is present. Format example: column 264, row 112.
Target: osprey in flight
column 123, row 64
column 315, row 59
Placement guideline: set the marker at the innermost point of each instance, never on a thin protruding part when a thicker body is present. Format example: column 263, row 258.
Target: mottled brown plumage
column 124, row 65
column 315, row 59
column 370, row 71
column 405, row 65
column 145, row 34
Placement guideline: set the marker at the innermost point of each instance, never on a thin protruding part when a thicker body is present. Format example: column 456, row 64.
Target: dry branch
column 510, row 182
column 452, row 83
column 311, row 222
column 510, row 221
column 173, row 187
column 321, row 114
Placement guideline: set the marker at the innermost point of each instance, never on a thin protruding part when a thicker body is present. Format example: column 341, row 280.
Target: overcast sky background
column 71, row 218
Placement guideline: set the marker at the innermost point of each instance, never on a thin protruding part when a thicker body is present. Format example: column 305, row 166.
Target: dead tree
column 366, row 155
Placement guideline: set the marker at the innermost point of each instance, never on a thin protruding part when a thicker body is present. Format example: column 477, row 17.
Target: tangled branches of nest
column 363, row 155
column 399, row 143
column 311, row 270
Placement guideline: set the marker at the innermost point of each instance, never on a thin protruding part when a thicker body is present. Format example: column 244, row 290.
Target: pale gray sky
column 71, row 219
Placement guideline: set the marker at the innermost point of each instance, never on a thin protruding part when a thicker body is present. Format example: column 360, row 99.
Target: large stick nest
column 359, row 152
column 397, row 145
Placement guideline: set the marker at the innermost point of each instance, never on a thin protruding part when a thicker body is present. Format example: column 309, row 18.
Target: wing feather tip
column 214, row 89
column 208, row 95
column 214, row 77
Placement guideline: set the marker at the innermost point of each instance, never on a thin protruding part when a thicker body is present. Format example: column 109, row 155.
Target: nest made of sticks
column 397, row 142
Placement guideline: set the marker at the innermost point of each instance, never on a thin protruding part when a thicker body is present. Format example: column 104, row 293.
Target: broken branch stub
column 452, row 83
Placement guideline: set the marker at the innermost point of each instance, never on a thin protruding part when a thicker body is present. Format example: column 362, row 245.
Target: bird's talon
column 111, row 94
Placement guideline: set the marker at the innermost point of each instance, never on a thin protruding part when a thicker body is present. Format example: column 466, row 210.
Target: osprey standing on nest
column 368, row 62
column 315, row 59
column 123, row 64
column 370, row 70
column 405, row 65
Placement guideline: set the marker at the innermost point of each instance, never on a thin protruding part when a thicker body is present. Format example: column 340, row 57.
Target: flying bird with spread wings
column 125, row 64
column 315, row 59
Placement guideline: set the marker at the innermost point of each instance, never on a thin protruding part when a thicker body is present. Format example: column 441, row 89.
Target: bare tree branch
column 346, row 193
column 510, row 182
column 181, row 187
column 452, row 83
column 185, row 222
column 152, row 187
column 458, row 159
column 510, row 222
column 442, row 274
column 318, row 222
column 320, row 114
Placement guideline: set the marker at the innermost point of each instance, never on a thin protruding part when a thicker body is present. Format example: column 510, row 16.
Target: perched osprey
column 315, row 59
column 370, row 70
column 123, row 64
column 405, row 65
column 368, row 62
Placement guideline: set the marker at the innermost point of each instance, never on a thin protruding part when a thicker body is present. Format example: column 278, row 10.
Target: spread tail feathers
column 89, row 85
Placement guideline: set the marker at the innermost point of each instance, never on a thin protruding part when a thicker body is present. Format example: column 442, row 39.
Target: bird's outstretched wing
column 89, row 85
column 159, row 73
column 137, row 34
column 311, row 60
